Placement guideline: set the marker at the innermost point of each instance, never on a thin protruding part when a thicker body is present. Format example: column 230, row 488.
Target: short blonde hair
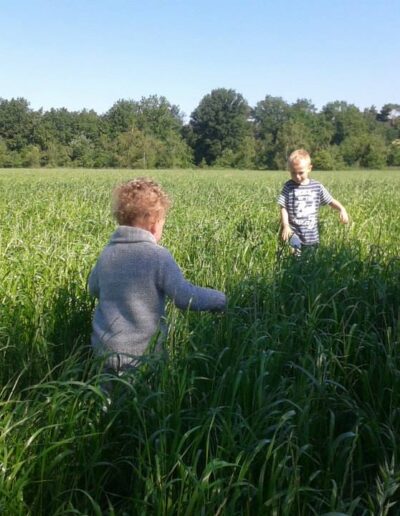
column 139, row 201
column 298, row 155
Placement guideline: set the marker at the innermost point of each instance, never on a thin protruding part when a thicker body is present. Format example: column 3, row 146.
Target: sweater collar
column 131, row 234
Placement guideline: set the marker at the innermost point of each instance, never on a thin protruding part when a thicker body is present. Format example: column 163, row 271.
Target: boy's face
column 300, row 170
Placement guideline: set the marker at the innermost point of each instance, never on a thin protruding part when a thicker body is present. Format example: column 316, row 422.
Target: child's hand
column 286, row 233
column 343, row 216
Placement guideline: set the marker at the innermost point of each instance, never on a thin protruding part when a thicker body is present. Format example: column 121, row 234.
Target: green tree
column 162, row 121
column 351, row 150
column 220, row 125
column 365, row 150
column 328, row 158
column 389, row 119
column 320, row 131
column 150, row 131
column 16, row 123
column 89, row 124
column 82, row 151
column 104, row 155
column 5, row 158
column 242, row 158
column 280, row 128
column 134, row 149
column 30, row 156
column 347, row 120
column 56, row 155
column 375, row 152
column 389, row 113
column 268, row 116
column 292, row 135
column 323, row 160
column 121, row 117
column 394, row 153
column 304, row 108
column 56, row 125
column 156, row 116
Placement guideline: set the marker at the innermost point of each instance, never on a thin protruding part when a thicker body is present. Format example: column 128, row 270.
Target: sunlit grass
column 288, row 404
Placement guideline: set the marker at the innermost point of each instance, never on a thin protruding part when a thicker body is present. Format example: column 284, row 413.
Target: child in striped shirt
column 300, row 200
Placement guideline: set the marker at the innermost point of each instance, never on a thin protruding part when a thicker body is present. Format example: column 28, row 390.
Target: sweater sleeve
column 93, row 283
column 183, row 293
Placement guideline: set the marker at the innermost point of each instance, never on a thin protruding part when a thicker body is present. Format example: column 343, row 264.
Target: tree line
column 223, row 131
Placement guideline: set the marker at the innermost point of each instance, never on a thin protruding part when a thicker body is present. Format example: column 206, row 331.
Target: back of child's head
column 140, row 201
column 298, row 155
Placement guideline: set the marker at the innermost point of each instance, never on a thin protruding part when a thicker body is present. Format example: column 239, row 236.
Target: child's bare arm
column 286, row 232
column 343, row 216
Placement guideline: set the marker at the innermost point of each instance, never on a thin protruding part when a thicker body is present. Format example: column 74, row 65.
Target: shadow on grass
column 38, row 340
column 332, row 318
column 281, row 389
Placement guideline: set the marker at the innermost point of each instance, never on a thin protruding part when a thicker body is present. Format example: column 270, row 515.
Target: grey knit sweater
column 131, row 279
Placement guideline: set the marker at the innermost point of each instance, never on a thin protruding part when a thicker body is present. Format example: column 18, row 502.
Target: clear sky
column 90, row 53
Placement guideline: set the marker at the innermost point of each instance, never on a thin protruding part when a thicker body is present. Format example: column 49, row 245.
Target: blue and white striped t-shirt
column 302, row 203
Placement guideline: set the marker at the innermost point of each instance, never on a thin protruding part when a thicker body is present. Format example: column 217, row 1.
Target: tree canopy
column 223, row 131
column 221, row 128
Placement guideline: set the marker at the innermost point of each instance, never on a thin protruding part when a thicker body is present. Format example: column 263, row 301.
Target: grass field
column 288, row 404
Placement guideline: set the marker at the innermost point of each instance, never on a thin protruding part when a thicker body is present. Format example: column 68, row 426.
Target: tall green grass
column 288, row 404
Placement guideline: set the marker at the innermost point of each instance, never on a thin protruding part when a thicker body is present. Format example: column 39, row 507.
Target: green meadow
column 287, row 404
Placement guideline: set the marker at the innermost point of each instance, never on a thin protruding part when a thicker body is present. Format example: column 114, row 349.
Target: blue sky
column 90, row 53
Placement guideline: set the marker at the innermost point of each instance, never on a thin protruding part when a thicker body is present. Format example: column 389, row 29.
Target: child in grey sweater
column 134, row 275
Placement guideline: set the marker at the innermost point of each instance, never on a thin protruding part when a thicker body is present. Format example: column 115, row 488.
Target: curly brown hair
column 139, row 202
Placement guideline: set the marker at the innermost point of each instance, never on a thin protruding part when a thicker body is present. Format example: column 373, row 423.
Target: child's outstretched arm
column 343, row 216
column 286, row 232
column 183, row 293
